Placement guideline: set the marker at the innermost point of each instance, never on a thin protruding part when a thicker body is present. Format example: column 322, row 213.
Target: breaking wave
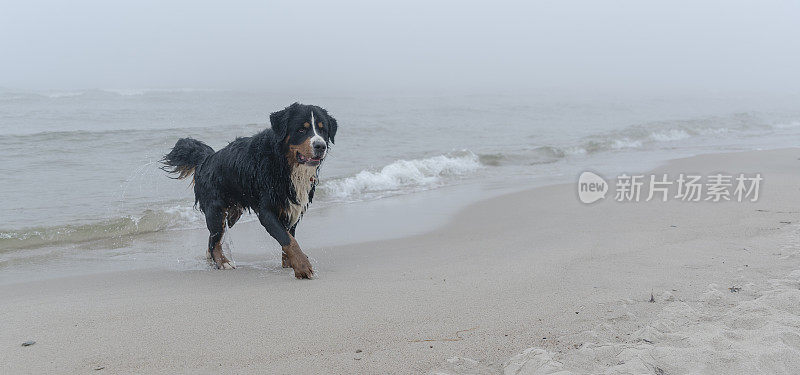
column 150, row 221
column 402, row 175
column 656, row 133
column 537, row 155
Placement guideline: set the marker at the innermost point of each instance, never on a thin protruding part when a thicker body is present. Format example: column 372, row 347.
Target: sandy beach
column 534, row 282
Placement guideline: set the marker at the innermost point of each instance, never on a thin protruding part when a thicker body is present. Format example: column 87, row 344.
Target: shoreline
column 534, row 268
column 176, row 249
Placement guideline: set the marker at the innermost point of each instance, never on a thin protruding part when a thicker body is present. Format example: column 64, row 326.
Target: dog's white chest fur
column 301, row 180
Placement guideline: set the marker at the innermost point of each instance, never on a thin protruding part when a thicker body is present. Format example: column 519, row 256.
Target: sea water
column 79, row 169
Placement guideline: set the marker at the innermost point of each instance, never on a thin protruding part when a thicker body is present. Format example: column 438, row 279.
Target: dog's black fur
column 254, row 173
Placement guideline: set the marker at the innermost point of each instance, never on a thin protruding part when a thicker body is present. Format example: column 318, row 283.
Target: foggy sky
column 331, row 46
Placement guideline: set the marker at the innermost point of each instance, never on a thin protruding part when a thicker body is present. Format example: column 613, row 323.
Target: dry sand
column 533, row 283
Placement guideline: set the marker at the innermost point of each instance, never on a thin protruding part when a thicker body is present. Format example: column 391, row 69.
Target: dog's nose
column 319, row 147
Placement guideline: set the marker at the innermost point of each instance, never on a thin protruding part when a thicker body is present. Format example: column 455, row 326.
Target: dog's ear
column 280, row 121
column 332, row 125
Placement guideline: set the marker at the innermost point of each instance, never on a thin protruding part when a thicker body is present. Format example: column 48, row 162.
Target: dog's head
column 306, row 131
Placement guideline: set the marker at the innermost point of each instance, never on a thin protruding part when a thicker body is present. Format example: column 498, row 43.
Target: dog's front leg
column 298, row 261
column 285, row 263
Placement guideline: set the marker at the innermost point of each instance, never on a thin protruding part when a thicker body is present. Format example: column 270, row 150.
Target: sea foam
column 402, row 175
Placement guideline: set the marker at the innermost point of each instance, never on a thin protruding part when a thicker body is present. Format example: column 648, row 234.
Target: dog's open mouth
column 310, row 161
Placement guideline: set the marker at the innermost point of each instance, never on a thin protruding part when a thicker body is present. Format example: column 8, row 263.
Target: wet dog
column 272, row 173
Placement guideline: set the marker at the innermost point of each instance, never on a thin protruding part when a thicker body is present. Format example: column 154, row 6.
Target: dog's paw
column 302, row 268
column 222, row 263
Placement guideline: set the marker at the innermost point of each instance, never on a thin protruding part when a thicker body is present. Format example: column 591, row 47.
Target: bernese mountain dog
column 272, row 173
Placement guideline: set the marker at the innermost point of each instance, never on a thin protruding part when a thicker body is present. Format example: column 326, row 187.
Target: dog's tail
column 187, row 154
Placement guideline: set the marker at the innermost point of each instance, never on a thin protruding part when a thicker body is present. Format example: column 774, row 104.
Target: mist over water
column 364, row 46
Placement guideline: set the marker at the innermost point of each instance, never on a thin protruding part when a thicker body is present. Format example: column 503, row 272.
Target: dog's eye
column 301, row 130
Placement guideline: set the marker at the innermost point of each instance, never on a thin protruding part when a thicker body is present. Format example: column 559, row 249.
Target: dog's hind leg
column 215, row 221
column 233, row 214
